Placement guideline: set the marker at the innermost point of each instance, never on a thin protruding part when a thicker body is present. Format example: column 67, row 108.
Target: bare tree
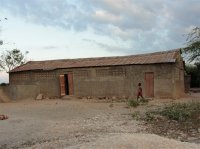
column 11, row 59
column 193, row 45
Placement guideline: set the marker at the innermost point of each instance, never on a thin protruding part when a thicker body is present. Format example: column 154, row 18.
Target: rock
column 45, row 97
column 89, row 97
column 114, row 97
column 3, row 117
column 107, row 98
column 39, row 97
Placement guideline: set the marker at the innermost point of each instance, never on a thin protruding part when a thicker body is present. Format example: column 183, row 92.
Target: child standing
column 139, row 93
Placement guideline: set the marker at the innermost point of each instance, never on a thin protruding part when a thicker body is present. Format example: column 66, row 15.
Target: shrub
column 133, row 103
column 181, row 111
column 136, row 115
column 149, row 116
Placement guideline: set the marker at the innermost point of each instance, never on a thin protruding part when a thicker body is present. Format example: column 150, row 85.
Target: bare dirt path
column 76, row 124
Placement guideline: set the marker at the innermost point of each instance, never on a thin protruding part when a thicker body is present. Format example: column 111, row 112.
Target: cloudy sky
column 58, row 29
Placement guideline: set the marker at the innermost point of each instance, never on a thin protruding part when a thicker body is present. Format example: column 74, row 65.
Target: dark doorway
column 66, row 85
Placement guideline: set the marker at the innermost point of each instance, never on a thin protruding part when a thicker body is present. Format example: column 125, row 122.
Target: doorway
column 149, row 84
column 66, row 84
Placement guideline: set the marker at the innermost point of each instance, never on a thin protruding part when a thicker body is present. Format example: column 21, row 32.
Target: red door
column 62, row 85
column 70, row 83
column 149, row 84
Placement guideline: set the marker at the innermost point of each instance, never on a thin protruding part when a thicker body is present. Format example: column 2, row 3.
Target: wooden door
column 70, row 83
column 62, row 85
column 149, row 84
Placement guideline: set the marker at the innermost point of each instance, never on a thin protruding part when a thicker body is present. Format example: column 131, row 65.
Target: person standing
column 139, row 93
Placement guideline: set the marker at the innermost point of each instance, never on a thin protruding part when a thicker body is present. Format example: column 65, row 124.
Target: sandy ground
column 76, row 124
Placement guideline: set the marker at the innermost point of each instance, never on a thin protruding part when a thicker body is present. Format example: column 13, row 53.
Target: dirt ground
column 78, row 124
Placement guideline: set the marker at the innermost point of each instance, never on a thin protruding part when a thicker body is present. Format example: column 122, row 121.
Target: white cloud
column 140, row 25
column 106, row 17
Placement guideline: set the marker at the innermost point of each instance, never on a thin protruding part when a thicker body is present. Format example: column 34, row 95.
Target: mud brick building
column 161, row 75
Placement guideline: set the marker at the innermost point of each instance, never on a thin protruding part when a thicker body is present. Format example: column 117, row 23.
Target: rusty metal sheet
column 150, row 58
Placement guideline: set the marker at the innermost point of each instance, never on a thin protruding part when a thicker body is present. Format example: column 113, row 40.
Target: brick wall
column 106, row 81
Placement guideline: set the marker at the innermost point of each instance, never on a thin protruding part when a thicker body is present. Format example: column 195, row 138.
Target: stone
column 89, row 97
column 3, row 117
column 39, row 97
column 45, row 97
column 114, row 97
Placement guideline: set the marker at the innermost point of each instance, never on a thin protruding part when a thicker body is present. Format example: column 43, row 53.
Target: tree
column 192, row 50
column 11, row 59
column 194, row 71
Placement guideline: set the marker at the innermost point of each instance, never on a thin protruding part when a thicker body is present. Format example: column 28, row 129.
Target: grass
column 181, row 111
column 178, row 120
column 136, row 115
column 133, row 103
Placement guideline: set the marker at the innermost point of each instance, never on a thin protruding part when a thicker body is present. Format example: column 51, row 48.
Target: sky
column 62, row 29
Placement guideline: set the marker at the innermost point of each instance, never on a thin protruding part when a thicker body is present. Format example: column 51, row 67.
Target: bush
column 133, row 103
column 181, row 111
column 149, row 116
column 136, row 115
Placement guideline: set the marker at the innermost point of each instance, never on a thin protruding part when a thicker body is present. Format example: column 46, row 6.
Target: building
column 161, row 75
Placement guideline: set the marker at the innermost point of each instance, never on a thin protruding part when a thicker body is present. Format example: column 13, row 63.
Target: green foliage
column 193, row 45
column 11, row 59
column 133, row 103
column 149, row 116
column 194, row 71
column 136, row 115
column 181, row 111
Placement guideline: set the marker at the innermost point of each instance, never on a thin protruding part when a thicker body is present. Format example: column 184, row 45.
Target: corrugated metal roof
column 150, row 58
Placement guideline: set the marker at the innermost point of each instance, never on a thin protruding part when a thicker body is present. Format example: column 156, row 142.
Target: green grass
column 133, row 103
column 181, row 111
column 136, row 115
